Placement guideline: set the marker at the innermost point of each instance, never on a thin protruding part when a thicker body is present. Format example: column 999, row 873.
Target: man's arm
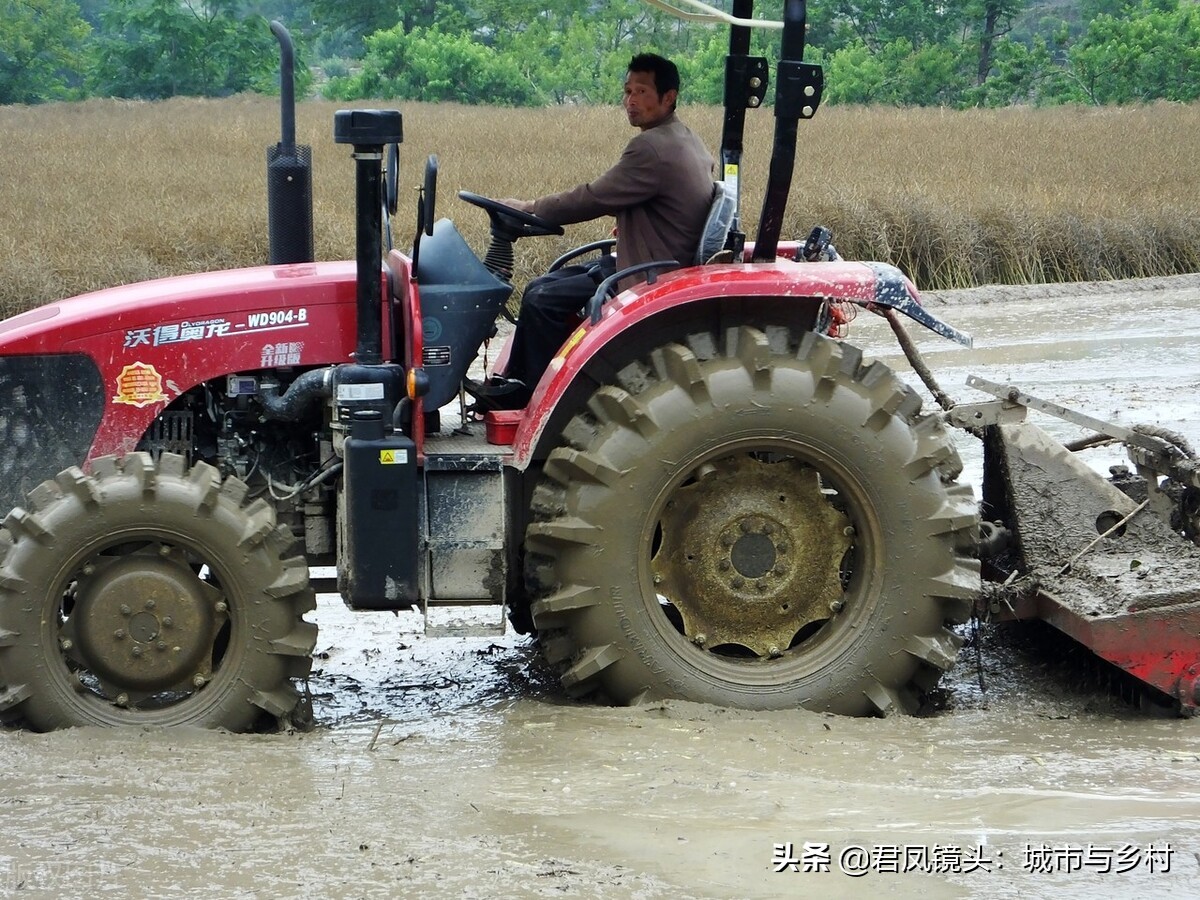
column 631, row 181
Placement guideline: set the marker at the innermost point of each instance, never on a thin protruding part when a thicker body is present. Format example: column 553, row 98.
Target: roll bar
column 797, row 95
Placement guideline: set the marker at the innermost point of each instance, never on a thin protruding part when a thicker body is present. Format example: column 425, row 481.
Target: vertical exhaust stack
column 289, row 172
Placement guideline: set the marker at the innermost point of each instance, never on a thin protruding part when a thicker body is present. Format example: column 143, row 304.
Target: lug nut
column 167, row 622
column 774, row 652
column 136, row 651
column 161, row 645
column 836, row 606
column 89, row 569
column 848, row 531
column 122, row 700
column 125, row 610
column 150, row 604
column 737, row 582
column 222, row 606
column 164, row 550
column 198, row 681
column 724, row 565
column 700, row 640
column 119, row 634
column 66, row 643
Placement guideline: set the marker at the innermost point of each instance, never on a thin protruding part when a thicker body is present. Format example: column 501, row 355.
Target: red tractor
column 711, row 496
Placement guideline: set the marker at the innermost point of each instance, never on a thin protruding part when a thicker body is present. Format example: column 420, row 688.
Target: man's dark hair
column 666, row 75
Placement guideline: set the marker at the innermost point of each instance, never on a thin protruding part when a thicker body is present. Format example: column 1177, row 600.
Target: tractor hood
column 236, row 308
column 86, row 376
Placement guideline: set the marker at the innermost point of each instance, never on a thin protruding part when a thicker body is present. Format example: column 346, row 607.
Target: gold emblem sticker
column 139, row 385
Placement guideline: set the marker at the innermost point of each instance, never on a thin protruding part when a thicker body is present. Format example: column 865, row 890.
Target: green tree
column 994, row 19
column 162, row 48
column 1022, row 74
column 1147, row 52
column 702, row 72
column 41, row 50
column 562, row 60
column 898, row 74
column 853, row 74
column 427, row 64
column 912, row 52
column 360, row 18
column 877, row 23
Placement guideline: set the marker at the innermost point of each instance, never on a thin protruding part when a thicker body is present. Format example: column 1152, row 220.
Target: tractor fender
column 872, row 285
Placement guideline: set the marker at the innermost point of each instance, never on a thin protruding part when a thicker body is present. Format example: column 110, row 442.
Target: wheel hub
column 751, row 552
column 144, row 623
column 753, row 555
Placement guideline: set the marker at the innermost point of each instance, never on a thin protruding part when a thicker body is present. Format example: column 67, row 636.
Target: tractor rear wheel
column 753, row 519
column 150, row 595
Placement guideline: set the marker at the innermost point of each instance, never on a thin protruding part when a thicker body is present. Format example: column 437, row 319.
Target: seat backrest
column 716, row 226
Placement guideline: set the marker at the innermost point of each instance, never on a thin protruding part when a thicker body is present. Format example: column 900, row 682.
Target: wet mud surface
column 452, row 766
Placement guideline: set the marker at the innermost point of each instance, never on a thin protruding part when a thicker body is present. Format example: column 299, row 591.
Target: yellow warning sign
column 393, row 457
column 139, row 385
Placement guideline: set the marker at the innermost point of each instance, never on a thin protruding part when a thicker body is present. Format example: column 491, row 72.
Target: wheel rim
column 142, row 624
column 758, row 560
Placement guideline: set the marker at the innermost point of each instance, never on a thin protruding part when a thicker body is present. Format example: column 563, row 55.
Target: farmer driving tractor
column 659, row 191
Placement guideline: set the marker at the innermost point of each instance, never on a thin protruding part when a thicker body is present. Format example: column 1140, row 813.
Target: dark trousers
column 549, row 311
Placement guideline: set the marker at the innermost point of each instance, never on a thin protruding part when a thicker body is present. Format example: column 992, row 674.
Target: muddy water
column 450, row 767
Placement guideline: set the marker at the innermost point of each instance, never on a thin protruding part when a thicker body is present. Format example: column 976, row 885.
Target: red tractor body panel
column 154, row 340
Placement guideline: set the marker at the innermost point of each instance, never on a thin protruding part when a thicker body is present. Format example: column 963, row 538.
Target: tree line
column 956, row 53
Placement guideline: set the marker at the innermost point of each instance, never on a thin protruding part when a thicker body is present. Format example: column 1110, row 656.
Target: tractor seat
column 717, row 224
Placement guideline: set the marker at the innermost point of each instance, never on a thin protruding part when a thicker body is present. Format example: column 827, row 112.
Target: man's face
column 643, row 105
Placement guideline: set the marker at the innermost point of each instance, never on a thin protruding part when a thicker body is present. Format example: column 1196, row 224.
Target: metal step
column 488, row 620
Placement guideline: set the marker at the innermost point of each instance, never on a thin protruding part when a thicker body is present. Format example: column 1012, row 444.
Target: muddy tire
column 150, row 595
column 753, row 519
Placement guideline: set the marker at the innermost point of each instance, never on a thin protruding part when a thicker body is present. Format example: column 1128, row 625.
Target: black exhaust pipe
column 289, row 171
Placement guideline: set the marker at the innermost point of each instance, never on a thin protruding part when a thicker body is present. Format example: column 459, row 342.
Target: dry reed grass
column 105, row 192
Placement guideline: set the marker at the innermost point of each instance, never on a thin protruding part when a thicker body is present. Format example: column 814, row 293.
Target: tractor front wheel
column 148, row 594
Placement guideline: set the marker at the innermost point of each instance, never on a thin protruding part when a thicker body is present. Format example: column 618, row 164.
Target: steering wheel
column 508, row 223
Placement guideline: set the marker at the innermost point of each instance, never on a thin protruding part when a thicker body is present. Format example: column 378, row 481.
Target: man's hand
column 525, row 206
